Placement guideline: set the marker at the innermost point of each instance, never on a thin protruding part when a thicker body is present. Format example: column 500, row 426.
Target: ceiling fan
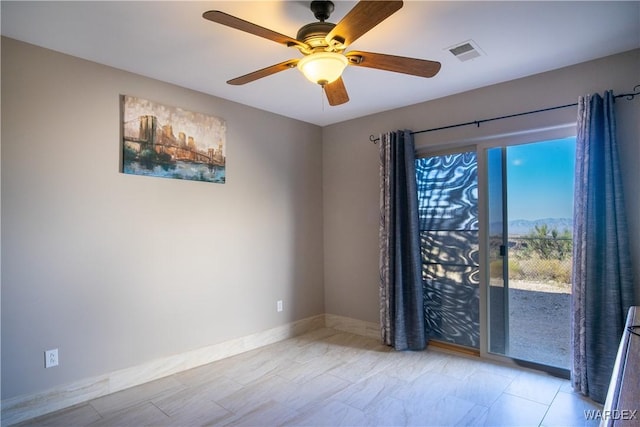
column 323, row 45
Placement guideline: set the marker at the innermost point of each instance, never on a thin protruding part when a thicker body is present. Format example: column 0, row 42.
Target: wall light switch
column 279, row 306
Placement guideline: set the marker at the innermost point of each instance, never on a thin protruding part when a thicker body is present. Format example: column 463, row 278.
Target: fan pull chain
column 322, row 96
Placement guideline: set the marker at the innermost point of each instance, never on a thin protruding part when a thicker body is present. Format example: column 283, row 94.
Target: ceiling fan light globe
column 323, row 67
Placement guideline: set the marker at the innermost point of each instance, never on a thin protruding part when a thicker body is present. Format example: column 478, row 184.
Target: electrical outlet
column 279, row 306
column 51, row 358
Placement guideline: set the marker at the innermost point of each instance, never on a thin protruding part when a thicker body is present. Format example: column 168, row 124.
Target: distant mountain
column 525, row 226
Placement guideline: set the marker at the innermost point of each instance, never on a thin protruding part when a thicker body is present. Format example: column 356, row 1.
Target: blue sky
column 540, row 179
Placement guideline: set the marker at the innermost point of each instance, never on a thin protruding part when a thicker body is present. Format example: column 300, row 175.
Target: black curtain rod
column 629, row 96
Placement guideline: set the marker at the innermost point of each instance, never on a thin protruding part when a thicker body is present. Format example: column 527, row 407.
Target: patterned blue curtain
column 602, row 276
column 401, row 294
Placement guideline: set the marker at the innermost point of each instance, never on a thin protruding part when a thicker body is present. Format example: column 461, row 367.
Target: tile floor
column 333, row 378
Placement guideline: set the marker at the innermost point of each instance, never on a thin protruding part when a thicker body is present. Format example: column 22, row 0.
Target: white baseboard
column 25, row 407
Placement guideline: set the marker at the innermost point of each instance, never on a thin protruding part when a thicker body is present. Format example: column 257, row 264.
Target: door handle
column 503, row 250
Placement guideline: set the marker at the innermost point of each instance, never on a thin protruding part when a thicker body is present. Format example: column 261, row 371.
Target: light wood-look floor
column 333, row 378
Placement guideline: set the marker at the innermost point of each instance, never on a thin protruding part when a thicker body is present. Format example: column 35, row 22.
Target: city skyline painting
column 171, row 142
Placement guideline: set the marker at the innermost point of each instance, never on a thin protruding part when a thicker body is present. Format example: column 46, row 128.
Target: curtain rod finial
column 373, row 139
column 636, row 91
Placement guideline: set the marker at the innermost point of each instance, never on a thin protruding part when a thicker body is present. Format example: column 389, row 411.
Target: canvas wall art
column 170, row 142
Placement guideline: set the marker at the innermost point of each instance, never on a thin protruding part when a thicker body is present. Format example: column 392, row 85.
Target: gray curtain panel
column 401, row 294
column 602, row 276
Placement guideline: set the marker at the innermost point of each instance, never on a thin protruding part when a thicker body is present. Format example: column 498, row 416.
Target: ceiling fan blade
column 398, row 64
column 336, row 92
column 251, row 28
column 363, row 17
column 248, row 78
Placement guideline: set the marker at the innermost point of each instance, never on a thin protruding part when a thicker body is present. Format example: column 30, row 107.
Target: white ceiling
column 170, row 41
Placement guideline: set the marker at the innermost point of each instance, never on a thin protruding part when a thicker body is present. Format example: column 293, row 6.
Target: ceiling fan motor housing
column 314, row 34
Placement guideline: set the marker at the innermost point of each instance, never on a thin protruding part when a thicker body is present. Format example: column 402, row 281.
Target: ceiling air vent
column 466, row 50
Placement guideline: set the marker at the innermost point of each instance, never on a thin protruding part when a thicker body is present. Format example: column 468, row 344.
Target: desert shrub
column 534, row 268
column 548, row 243
column 561, row 271
column 515, row 270
column 553, row 270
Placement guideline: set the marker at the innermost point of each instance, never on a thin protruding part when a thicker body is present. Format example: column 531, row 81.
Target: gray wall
column 351, row 200
column 116, row 270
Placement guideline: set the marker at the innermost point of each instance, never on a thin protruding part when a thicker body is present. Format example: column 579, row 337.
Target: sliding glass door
column 530, row 199
column 529, row 196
